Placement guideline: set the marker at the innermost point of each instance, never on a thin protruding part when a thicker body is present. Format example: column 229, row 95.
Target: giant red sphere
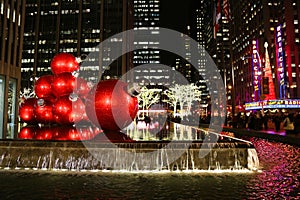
column 27, row 132
column 26, row 110
column 66, row 111
column 43, row 111
column 81, row 87
column 109, row 105
column 42, row 87
column 64, row 62
column 44, row 133
column 63, row 84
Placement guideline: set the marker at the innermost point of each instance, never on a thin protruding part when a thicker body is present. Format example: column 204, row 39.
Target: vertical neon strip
column 256, row 71
column 280, row 61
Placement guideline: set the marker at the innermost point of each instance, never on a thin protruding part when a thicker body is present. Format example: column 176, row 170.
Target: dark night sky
column 175, row 14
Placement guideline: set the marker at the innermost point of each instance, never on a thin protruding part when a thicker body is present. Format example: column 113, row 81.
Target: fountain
column 111, row 105
column 180, row 148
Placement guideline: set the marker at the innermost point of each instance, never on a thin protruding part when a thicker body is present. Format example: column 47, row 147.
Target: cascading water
column 188, row 152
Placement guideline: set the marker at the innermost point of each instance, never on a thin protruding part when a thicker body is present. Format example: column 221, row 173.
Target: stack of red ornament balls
column 59, row 104
column 63, row 100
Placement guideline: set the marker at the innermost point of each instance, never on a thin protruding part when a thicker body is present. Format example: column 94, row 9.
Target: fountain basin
column 128, row 156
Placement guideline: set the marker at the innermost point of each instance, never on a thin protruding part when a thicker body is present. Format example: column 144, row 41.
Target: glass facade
column 12, row 13
column 11, row 112
column 75, row 27
column 2, row 88
column 147, row 17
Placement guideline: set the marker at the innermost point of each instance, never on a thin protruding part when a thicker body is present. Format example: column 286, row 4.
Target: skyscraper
column 274, row 22
column 146, row 18
column 75, row 27
column 12, row 15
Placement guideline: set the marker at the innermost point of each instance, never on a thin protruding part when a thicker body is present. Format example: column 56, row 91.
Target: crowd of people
column 290, row 122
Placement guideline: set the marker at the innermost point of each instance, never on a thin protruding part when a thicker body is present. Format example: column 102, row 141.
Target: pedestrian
column 147, row 120
column 288, row 124
column 277, row 121
column 266, row 121
column 297, row 124
column 251, row 122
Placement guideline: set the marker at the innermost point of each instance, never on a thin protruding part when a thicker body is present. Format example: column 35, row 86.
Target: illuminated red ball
column 64, row 62
column 44, row 133
column 63, row 84
column 81, row 87
column 69, row 132
column 66, row 111
column 26, row 110
column 43, row 111
column 42, row 87
column 110, row 106
column 27, row 132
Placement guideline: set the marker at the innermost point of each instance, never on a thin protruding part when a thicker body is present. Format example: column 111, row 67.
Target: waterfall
column 253, row 161
column 179, row 148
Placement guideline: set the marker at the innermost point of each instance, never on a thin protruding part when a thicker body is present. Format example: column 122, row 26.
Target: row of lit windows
column 146, row 10
column 146, row 42
column 145, row 5
column 146, row 57
column 146, row 61
column 146, row 52
column 27, row 61
column 150, row 70
column 68, row 50
column 153, row 77
column 141, row 23
column 66, row 41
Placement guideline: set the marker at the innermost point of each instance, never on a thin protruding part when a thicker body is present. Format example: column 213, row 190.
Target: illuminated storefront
column 273, row 104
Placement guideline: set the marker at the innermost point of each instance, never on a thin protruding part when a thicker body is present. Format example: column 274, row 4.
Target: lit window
column 8, row 10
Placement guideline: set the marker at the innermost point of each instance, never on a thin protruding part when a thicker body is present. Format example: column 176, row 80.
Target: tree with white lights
column 174, row 95
column 148, row 97
column 183, row 95
column 192, row 94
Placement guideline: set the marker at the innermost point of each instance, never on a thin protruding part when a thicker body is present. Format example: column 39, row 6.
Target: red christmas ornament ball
column 66, row 111
column 27, row 132
column 26, row 110
column 82, row 87
column 110, row 106
column 44, row 133
column 66, row 132
column 42, row 87
column 43, row 111
column 63, row 84
column 64, row 62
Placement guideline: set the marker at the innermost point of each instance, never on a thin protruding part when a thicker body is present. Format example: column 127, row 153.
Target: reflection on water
column 278, row 179
column 281, row 170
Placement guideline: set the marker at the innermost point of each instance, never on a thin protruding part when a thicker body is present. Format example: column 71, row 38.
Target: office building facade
column 75, row 27
column 12, row 16
column 275, row 23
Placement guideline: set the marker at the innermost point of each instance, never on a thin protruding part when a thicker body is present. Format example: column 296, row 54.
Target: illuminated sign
column 280, row 61
column 256, row 69
column 273, row 104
